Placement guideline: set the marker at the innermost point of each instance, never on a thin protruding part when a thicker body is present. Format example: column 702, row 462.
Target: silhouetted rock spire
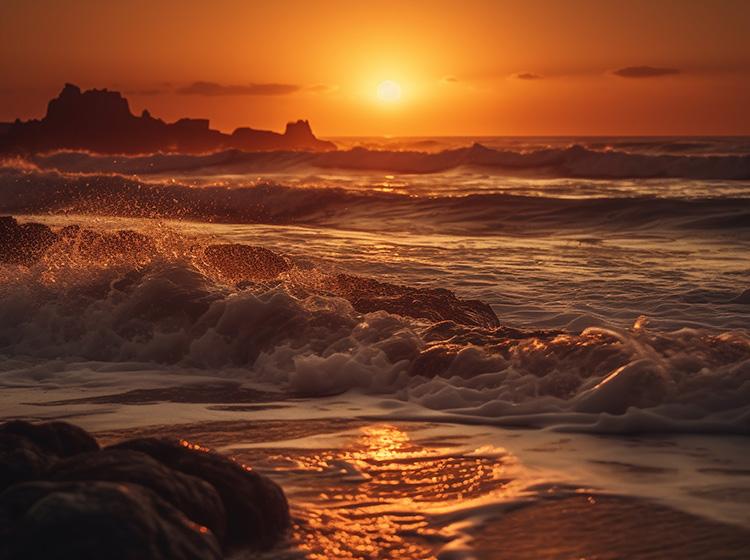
column 299, row 130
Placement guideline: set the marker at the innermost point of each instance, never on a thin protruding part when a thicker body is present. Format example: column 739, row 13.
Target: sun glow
column 389, row 91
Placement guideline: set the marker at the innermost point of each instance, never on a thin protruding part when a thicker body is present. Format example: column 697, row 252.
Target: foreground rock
column 56, row 438
column 63, row 497
column 257, row 511
column 97, row 520
column 27, row 451
column 21, row 460
column 195, row 497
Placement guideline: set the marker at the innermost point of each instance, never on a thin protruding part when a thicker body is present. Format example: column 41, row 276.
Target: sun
column 389, row 91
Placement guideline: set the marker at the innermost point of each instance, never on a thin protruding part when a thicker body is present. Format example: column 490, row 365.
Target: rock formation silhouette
column 99, row 120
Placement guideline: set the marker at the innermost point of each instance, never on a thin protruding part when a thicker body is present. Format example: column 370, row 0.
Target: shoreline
column 342, row 475
column 672, row 469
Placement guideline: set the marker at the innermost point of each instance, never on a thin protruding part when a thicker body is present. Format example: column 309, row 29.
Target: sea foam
column 171, row 313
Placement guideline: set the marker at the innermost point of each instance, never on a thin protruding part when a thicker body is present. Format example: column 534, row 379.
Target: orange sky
column 459, row 64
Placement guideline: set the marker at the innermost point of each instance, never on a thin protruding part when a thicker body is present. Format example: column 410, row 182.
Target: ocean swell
column 34, row 192
column 575, row 161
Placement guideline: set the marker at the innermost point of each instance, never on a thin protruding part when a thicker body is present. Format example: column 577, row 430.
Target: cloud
column 528, row 76
column 212, row 88
column 449, row 79
column 644, row 72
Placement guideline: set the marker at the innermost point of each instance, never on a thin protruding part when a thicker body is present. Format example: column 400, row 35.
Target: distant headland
column 100, row 120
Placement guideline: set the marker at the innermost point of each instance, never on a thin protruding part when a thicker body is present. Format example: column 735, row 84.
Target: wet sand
column 607, row 528
column 366, row 485
column 363, row 489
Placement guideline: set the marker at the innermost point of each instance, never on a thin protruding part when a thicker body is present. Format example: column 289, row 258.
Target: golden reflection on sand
column 376, row 497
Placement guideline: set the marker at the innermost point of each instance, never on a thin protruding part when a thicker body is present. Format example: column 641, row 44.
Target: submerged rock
column 97, row 520
column 23, row 243
column 96, row 245
column 257, row 510
column 239, row 263
column 435, row 304
column 245, row 266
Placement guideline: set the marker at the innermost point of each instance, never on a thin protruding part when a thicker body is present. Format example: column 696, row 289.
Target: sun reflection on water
column 381, row 495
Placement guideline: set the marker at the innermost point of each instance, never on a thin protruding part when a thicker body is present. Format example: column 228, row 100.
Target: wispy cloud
column 645, row 72
column 528, row 76
column 450, row 79
column 213, row 88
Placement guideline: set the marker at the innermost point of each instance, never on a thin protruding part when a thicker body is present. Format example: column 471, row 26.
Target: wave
column 475, row 214
column 168, row 309
column 574, row 161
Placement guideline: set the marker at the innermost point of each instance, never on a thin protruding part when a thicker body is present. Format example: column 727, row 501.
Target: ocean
column 618, row 369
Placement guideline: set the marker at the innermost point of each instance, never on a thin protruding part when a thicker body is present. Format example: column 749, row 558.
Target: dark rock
column 27, row 451
column 434, row 360
column 26, row 243
column 101, row 121
column 23, row 243
column 92, row 108
column 194, row 497
column 301, row 134
column 244, row 266
column 96, row 245
column 256, row 508
column 435, row 304
column 59, row 439
column 97, row 521
column 21, row 460
column 245, row 262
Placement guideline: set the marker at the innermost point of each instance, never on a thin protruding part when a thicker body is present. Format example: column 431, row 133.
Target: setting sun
column 389, row 91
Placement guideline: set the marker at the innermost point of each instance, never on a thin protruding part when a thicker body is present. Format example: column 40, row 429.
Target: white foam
column 169, row 314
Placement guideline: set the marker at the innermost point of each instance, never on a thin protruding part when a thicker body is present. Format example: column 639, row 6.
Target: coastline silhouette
column 100, row 120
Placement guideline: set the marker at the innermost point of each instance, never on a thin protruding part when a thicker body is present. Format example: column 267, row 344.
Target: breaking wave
column 170, row 311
